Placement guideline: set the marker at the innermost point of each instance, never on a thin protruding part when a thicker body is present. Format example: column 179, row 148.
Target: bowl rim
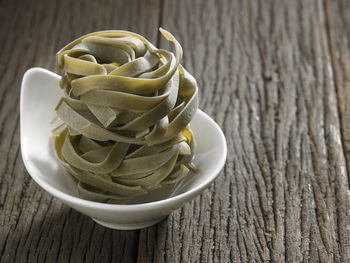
column 105, row 206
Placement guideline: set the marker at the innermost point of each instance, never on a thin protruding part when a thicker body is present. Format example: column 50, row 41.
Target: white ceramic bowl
column 39, row 95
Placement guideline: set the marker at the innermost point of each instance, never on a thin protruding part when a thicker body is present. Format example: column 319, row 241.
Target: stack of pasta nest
column 124, row 119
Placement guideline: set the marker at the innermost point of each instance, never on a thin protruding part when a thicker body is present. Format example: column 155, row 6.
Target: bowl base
column 129, row 226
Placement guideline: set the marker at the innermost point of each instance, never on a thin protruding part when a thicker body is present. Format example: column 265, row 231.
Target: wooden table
column 275, row 75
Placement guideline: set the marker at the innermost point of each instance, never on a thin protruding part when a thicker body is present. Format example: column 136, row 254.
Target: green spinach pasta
column 124, row 118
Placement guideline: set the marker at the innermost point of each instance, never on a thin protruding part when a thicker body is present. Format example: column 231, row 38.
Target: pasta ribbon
column 125, row 115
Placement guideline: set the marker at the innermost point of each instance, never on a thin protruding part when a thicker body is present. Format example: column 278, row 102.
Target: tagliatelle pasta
column 125, row 115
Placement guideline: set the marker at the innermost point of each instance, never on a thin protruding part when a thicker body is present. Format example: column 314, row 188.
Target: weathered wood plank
column 265, row 75
column 34, row 226
column 337, row 13
column 338, row 33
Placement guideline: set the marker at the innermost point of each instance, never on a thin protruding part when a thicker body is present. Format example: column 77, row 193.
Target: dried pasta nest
column 125, row 115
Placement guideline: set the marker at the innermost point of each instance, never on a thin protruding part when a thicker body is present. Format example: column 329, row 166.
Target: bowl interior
column 39, row 96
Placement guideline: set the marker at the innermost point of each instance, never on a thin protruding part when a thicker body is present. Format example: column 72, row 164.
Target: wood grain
column 337, row 13
column 273, row 74
column 265, row 75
